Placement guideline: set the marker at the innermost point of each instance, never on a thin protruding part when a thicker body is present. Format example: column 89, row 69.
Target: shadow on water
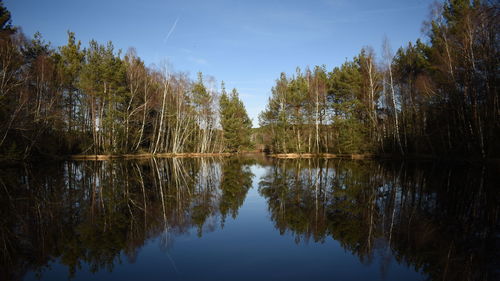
column 441, row 220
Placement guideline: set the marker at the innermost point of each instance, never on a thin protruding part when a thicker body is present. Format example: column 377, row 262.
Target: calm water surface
column 249, row 219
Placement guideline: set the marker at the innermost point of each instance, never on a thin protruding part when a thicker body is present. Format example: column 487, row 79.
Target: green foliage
column 5, row 20
column 72, row 100
column 201, row 97
column 438, row 98
column 318, row 111
column 236, row 124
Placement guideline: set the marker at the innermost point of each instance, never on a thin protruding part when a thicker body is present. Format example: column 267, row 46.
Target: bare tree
column 388, row 58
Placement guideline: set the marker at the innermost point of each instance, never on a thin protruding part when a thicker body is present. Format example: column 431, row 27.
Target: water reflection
column 90, row 212
column 440, row 220
column 436, row 219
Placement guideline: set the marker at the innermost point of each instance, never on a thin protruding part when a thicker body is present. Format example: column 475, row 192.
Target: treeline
column 94, row 100
column 439, row 97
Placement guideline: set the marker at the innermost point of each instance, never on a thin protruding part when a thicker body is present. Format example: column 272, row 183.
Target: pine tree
column 235, row 122
column 202, row 102
column 5, row 21
column 70, row 65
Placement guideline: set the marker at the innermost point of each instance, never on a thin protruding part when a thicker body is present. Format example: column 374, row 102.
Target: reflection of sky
column 247, row 248
column 245, row 43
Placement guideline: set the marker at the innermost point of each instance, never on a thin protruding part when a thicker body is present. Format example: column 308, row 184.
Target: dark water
column 249, row 219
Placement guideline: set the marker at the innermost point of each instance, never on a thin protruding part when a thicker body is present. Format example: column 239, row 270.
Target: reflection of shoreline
column 92, row 212
column 437, row 219
column 426, row 216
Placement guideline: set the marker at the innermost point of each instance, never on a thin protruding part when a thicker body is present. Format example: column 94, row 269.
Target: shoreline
column 362, row 156
column 322, row 155
column 371, row 156
column 99, row 157
column 223, row 154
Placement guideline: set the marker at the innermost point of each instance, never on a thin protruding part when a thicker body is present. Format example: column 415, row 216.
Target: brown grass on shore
column 101, row 157
column 322, row 155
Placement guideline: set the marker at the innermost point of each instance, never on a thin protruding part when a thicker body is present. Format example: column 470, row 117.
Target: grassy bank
column 146, row 155
column 323, row 155
column 416, row 157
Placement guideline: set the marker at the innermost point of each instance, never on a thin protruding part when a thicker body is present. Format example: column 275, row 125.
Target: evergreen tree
column 235, row 122
column 203, row 104
column 6, row 27
column 70, row 65
column 436, row 97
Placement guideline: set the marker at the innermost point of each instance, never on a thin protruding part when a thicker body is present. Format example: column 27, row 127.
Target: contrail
column 171, row 30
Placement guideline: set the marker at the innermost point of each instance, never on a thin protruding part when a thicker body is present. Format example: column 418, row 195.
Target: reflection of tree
column 441, row 220
column 95, row 213
column 236, row 181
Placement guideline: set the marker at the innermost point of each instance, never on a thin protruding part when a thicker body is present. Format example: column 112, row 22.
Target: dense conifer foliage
column 96, row 100
column 438, row 97
column 235, row 121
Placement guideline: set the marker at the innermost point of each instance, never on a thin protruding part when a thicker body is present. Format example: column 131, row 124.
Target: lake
column 249, row 218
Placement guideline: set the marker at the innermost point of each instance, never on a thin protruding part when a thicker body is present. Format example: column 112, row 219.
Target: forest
column 167, row 204
column 435, row 97
column 94, row 100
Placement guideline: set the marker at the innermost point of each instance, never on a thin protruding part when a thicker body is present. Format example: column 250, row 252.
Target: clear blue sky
column 245, row 43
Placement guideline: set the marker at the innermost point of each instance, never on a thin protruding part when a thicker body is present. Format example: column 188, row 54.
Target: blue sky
column 245, row 43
